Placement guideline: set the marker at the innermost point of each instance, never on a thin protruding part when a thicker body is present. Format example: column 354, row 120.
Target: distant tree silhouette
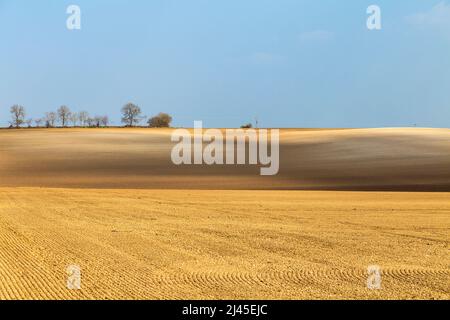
column 97, row 121
column 161, row 120
column 18, row 115
column 247, row 126
column 104, row 121
column 90, row 122
column 50, row 119
column 73, row 118
column 38, row 122
column 63, row 115
column 131, row 114
column 83, row 117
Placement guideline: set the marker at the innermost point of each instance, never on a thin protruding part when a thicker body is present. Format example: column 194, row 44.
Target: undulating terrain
column 111, row 202
column 356, row 159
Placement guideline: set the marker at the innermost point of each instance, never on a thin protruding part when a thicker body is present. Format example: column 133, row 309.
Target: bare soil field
column 399, row 159
column 187, row 244
column 111, row 202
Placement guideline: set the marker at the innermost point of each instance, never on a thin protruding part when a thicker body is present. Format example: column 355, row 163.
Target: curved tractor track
column 177, row 244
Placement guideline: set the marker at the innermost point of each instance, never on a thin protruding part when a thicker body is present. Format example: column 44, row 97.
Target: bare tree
column 73, row 118
column 83, row 117
column 97, row 121
column 104, row 121
column 131, row 114
column 161, row 120
column 64, row 114
column 18, row 115
column 29, row 122
column 90, row 122
column 50, row 119
column 38, row 122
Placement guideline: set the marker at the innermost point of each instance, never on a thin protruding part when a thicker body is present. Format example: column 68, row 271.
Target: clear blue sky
column 292, row 63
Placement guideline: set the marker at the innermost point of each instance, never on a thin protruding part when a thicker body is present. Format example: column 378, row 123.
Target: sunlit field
column 111, row 202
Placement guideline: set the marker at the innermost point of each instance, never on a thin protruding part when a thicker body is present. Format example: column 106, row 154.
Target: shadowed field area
column 111, row 202
column 347, row 159
column 159, row 244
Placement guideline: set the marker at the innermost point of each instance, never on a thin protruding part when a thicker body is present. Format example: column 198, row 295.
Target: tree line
column 64, row 117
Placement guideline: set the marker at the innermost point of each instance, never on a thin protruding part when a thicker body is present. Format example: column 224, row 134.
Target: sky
column 288, row 63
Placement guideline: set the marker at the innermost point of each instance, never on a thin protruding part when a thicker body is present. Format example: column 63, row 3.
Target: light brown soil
column 182, row 244
column 94, row 198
